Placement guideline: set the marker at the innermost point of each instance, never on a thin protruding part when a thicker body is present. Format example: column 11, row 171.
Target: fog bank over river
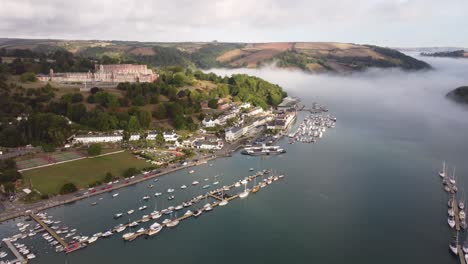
column 367, row 192
column 413, row 100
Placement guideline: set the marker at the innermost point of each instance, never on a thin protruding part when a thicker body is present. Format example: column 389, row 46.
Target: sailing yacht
column 245, row 193
column 223, row 202
column 452, row 179
column 92, row 239
column 154, row 229
column 442, row 173
column 454, row 245
column 129, row 236
column 451, row 212
column 451, row 221
column 120, row 228
column 173, row 222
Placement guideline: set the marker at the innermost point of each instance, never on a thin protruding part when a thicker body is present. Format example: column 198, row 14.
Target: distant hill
column 449, row 54
column 308, row 56
column 459, row 95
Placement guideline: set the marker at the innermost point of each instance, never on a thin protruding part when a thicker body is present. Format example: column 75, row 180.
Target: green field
column 49, row 180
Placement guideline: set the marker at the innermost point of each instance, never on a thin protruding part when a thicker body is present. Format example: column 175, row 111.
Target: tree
column 94, row 90
column 68, row 188
column 133, row 124
column 213, row 103
column 95, row 149
column 76, row 112
column 144, row 118
column 9, row 187
column 28, row 77
column 130, row 172
column 160, row 139
column 109, row 177
column 161, row 112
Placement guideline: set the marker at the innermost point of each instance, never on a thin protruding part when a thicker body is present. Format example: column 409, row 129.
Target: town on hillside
column 228, row 119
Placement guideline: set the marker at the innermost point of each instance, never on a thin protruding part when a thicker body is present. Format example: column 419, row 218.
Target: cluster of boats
column 220, row 195
column 173, row 220
column 312, row 128
column 456, row 210
column 263, row 150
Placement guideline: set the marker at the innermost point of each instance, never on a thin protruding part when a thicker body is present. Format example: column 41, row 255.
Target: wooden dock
column 457, row 228
column 213, row 205
column 19, row 257
column 49, row 230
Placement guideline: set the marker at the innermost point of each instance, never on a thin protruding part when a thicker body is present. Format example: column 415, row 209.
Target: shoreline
column 71, row 198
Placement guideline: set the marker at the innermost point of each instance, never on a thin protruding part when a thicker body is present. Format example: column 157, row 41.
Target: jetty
column 213, row 205
column 49, row 230
column 457, row 227
column 19, row 257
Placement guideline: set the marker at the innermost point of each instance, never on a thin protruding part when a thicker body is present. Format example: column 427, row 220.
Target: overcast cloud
column 383, row 22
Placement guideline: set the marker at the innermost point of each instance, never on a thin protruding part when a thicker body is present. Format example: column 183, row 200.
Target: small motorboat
column 129, row 236
column 118, row 215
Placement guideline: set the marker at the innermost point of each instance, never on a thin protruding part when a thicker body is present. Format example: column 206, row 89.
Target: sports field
column 81, row 172
column 43, row 159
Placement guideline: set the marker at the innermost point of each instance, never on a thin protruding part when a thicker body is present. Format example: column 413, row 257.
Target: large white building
column 102, row 138
column 113, row 73
column 236, row 132
column 254, row 111
column 89, row 139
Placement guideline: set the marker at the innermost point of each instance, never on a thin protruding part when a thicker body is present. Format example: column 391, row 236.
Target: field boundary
column 65, row 161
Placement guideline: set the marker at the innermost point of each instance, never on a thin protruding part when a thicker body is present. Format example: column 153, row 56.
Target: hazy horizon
column 395, row 23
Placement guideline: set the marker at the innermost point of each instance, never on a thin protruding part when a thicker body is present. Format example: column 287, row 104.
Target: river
column 367, row 192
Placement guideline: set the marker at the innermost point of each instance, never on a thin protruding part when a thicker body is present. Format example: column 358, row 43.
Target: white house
column 152, row 135
column 254, row 111
column 103, row 138
column 209, row 145
column 134, row 137
column 170, row 136
column 210, row 122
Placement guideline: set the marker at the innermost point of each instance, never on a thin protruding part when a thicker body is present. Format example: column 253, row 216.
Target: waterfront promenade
column 20, row 209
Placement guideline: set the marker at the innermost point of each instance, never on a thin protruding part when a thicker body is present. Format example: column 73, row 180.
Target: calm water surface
column 368, row 192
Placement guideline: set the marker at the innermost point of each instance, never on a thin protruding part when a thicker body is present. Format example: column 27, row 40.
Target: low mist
column 404, row 106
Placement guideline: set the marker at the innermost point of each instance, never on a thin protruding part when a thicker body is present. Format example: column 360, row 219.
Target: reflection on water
column 368, row 192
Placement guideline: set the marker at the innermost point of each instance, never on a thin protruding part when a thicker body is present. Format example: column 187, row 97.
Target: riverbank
column 26, row 209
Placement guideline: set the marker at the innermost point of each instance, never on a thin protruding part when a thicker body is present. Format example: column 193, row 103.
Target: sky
column 397, row 23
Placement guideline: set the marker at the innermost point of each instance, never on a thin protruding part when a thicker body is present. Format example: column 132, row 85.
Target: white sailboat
column 245, row 193
column 154, row 229
column 454, row 245
column 452, row 179
column 442, row 173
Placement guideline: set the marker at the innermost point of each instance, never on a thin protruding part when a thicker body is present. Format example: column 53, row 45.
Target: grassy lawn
column 50, row 179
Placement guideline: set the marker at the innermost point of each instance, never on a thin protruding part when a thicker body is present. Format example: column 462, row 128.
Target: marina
column 56, row 235
column 456, row 212
column 312, row 128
